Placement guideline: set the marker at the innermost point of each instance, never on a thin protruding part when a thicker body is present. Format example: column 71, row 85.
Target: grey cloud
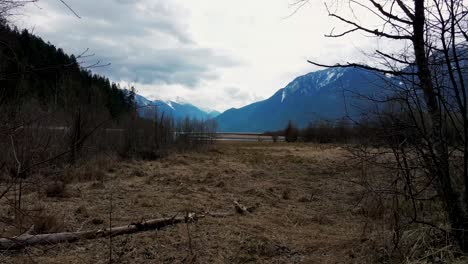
column 237, row 94
column 133, row 18
column 169, row 66
column 146, row 41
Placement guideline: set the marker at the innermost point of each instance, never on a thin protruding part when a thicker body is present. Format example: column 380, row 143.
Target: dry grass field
column 304, row 208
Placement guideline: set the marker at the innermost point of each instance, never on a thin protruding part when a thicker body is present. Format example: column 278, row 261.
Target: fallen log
column 26, row 239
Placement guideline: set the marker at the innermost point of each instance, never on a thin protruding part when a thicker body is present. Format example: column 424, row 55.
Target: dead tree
column 431, row 92
column 7, row 7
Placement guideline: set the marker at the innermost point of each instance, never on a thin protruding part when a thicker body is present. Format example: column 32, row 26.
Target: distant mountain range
column 328, row 94
column 177, row 110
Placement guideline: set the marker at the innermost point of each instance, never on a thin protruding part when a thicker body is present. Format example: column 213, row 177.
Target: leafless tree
column 427, row 125
column 7, row 7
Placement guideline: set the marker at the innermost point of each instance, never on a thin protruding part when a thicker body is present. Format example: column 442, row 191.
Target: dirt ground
column 304, row 208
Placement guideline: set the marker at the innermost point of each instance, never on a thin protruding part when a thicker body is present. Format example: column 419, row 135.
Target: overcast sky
column 216, row 54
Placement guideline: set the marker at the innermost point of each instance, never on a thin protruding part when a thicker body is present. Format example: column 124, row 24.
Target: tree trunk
column 439, row 158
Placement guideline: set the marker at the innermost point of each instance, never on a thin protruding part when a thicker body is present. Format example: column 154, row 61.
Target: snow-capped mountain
column 326, row 94
column 177, row 110
column 142, row 101
column 312, row 82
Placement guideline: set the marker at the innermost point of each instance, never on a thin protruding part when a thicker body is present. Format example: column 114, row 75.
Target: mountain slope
column 213, row 113
column 327, row 94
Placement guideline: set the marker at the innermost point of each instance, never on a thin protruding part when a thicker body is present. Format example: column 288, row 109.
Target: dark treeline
column 377, row 128
column 342, row 131
column 51, row 108
column 371, row 130
column 31, row 69
column 54, row 110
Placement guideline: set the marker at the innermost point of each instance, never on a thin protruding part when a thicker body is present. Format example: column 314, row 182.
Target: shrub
column 56, row 189
column 47, row 223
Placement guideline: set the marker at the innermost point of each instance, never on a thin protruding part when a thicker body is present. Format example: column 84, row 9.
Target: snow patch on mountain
column 169, row 103
column 331, row 76
column 141, row 101
column 312, row 82
column 177, row 109
column 294, row 86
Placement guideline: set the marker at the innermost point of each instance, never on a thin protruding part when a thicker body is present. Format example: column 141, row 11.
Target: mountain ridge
column 324, row 94
column 328, row 94
column 178, row 110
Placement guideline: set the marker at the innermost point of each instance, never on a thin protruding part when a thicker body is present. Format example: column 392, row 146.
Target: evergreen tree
column 291, row 132
column 31, row 69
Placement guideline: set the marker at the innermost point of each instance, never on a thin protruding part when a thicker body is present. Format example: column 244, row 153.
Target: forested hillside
column 53, row 108
column 32, row 70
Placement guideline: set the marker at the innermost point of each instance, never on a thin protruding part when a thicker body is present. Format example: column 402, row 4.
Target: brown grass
column 304, row 209
column 56, row 189
column 47, row 223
